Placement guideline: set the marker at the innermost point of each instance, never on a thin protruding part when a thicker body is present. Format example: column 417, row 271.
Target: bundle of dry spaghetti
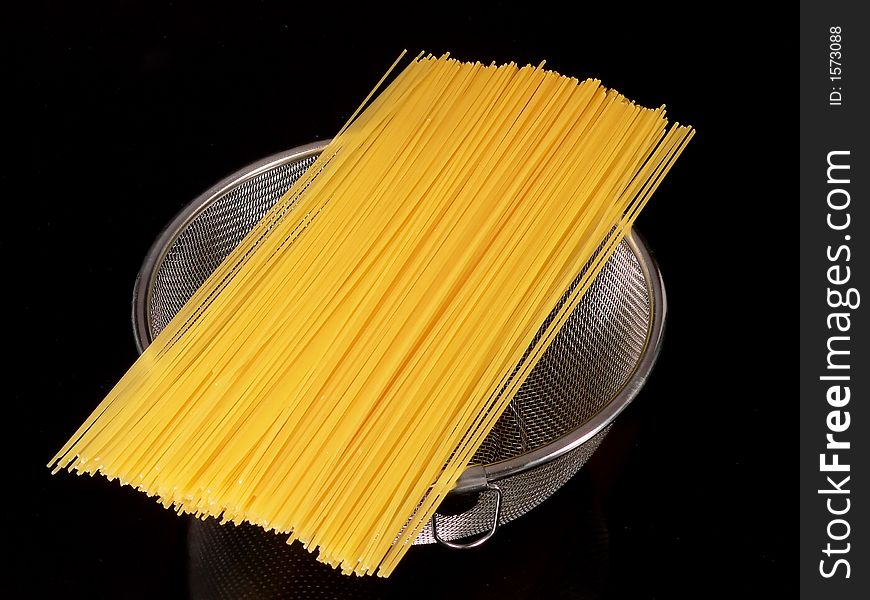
column 337, row 372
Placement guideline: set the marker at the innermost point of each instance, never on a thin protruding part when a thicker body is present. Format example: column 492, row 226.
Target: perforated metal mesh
column 590, row 360
column 520, row 494
column 245, row 562
column 212, row 235
column 587, row 364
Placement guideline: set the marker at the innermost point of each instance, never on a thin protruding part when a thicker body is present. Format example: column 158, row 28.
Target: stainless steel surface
column 595, row 366
column 495, row 520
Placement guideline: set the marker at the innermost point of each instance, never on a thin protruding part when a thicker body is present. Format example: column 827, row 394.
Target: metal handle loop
column 477, row 542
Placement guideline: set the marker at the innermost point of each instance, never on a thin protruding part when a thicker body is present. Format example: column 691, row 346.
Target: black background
column 128, row 110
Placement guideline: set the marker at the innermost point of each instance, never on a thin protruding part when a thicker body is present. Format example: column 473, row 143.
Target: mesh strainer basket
column 595, row 366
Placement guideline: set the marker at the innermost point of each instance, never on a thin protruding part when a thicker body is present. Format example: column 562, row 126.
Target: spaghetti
column 337, row 372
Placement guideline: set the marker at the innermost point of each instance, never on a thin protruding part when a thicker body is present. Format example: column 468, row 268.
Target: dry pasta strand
column 337, row 372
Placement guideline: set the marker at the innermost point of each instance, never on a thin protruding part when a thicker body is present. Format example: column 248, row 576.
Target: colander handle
column 476, row 542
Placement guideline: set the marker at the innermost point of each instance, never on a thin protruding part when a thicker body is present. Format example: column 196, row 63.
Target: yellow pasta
column 337, row 372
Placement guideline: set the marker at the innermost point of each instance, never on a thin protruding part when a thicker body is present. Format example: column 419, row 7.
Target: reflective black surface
column 123, row 112
column 563, row 551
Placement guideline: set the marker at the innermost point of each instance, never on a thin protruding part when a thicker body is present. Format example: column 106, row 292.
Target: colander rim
column 145, row 278
column 475, row 478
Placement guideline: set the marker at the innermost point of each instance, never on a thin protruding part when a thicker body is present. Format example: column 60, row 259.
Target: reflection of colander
column 595, row 366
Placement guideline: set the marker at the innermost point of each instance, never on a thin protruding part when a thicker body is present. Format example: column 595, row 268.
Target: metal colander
column 595, row 366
